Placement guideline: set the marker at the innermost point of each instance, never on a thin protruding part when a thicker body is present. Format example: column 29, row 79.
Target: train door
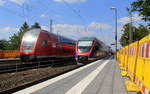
column 52, row 45
column 41, row 46
column 96, row 49
column 59, row 47
column 45, row 47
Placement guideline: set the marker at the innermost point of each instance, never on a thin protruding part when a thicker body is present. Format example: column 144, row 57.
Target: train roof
column 92, row 38
column 88, row 38
column 61, row 38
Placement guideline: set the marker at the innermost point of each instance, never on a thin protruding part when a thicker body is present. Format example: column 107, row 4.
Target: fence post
column 16, row 66
column 39, row 64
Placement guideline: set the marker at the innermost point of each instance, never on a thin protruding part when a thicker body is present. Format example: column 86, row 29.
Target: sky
column 71, row 18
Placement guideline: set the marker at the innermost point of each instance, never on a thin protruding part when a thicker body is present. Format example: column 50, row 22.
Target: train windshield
column 84, row 46
column 29, row 40
column 85, row 43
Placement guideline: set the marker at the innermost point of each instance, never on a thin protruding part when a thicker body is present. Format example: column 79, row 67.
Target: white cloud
column 2, row 2
column 6, row 32
column 8, row 29
column 71, row 1
column 77, row 31
column 125, row 20
column 96, row 25
column 45, row 28
column 19, row 2
column 64, row 27
column 91, row 27
column 42, row 16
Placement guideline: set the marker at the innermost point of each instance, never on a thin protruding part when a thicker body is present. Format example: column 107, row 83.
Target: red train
column 39, row 44
column 90, row 48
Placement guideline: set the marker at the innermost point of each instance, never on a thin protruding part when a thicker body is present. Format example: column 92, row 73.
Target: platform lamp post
column 115, row 9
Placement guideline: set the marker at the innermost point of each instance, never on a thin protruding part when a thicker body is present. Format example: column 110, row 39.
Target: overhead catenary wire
column 22, row 14
column 77, row 13
column 47, row 8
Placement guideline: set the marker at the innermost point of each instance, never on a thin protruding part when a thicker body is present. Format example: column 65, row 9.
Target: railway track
column 23, row 79
column 15, row 65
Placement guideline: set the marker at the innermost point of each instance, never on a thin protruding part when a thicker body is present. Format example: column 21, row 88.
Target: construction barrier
column 121, row 56
column 142, row 75
column 132, row 59
column 9, row 53
column 135, row 60
column 125, row 64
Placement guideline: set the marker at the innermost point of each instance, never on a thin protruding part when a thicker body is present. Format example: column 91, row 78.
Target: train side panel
column 46, row 46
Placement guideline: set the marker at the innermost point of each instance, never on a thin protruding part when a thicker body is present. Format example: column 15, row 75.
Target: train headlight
column 29, row 39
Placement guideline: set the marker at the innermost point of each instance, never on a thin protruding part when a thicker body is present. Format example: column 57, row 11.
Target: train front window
column 84, row 46
column 29, row 40
column 27, row 46
column 85, row 43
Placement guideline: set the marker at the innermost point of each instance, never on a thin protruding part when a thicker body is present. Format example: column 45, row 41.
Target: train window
column 44, row 44
column 84, row 49
column 54, row 45
column 85, row 43
column 96, row 47
column 66, row 40
column 27, row 46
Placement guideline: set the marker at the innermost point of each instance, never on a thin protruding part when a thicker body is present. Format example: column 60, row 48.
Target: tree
column 36, row 25
column 14, row 42
column 142, row 32
column 3, row 44
column 143, row 7
column 138, row 33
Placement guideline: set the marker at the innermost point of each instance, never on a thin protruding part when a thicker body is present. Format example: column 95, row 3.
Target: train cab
column 89, row 49
column 27, row 47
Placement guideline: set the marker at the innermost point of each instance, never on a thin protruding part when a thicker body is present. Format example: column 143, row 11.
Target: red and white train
column 90, row 48
column 39, row 44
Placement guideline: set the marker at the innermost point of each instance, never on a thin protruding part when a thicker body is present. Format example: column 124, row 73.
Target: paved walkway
column 99, row 77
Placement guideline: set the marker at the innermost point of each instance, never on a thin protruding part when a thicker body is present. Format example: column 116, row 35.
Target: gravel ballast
column 13, row 80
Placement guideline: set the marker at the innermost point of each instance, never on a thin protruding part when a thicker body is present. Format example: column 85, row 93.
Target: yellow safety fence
column 9, row 53
column 134, row 60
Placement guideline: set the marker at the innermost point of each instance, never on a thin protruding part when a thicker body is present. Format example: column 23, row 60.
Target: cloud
column 45, row 28
column 95, row 25
column 6, row 32
column 77, row 31
column 91, row 27
column 64, row 27
column 42, row 16
column 19, row 2
column 125, row 20
column 70, row 1
column 2, row 2
column 8, row 29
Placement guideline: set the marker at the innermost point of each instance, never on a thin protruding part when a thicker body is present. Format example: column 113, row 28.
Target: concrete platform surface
column 99, row 77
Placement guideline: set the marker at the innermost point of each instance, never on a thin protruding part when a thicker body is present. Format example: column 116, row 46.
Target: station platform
column 99, row 77
column 6, row 59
